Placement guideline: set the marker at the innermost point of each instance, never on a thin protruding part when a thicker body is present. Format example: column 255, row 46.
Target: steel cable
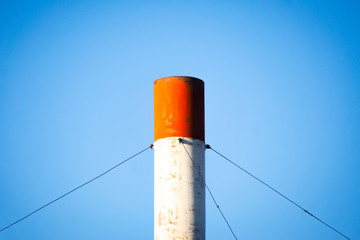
column 276, row 191
column 73, row 190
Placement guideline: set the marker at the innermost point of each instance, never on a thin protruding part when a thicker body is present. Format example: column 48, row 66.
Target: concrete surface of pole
column 179, row 166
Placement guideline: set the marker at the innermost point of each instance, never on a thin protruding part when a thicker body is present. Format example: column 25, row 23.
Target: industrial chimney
column 179, row 155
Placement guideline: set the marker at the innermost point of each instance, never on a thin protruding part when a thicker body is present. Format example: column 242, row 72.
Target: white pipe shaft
column 179, row 191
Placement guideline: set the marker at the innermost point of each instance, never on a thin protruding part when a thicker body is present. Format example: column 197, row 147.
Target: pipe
column 179, row 191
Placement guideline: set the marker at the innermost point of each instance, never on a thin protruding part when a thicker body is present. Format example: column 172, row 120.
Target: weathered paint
column 179, row 107
column 179, row 195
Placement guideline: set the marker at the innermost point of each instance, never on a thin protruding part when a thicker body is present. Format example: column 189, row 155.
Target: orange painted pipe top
column 179, row 107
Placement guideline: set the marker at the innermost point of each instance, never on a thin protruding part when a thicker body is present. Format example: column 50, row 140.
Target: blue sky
column 282, row 95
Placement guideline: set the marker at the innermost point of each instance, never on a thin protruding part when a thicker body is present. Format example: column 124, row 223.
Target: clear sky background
column 282, row 96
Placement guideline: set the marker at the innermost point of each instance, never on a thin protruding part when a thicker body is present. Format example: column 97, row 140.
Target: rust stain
column 170, row 214
column 159, row 219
